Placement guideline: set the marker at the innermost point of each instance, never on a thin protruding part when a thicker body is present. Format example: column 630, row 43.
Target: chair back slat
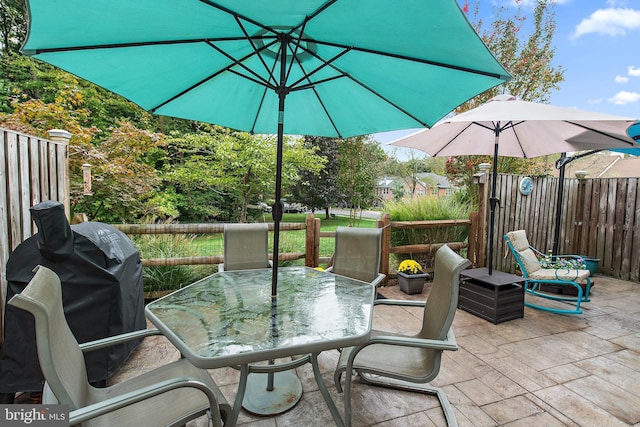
column 246, row 246
column 63, row 364
column 357, row 253
column 442, row 302
column 522, row 252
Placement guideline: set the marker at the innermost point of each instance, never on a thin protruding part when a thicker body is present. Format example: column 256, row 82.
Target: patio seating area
column 544, row 369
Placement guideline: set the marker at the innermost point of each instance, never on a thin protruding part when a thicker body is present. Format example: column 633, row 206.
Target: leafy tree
column 319, row 189
column 123, row 177
column 528, row 57
column 122, row 173
column 234, row 167
column 13, row 28
column 358, row 170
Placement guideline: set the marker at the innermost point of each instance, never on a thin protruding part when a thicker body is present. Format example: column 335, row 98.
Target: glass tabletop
column 230, row 318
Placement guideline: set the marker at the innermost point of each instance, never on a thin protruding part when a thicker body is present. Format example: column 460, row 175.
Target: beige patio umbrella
column 508, row 126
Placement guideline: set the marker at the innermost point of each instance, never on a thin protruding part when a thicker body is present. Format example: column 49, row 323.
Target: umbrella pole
column 276, row 212
column 559, row 200
column 493, row 200
column 277, row 208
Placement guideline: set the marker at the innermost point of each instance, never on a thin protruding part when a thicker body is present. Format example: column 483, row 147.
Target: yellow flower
column 409, row 266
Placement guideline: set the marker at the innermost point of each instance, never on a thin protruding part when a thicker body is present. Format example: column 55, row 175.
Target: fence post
column 472, row 251
column 577, row 224
column 62, row 160
column 310, row 247
column 316, row 242
column 480, row 179
column 385, row 224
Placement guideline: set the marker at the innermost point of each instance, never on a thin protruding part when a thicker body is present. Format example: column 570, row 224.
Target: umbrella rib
column 315, row 92
column 388, row 101
column 317, row 82
column 260, row 81
column 236, row 15
column 414, row 59
column 32, row 52
column 264, row 95
column 454, row 138
column 324, row 64
column 295, row 49
column 601, row 133
column 257, row 52
column 255, row 120
column 520, row 144
column 311, row 85
column 240, row 63
column 344, row 74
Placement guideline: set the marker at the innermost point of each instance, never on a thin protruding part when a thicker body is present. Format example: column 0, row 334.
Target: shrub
column 427, row 209
column 169, row 246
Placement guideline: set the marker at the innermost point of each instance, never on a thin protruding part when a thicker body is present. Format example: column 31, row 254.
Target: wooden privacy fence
column 600, row 218
column 32, row 170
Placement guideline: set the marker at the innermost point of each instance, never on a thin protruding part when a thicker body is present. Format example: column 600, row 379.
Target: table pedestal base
column 287, row 391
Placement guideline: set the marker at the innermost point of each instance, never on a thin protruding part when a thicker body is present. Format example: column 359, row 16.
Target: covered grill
column 101, row 276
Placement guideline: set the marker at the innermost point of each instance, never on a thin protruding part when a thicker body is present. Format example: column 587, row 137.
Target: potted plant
column 411, row 277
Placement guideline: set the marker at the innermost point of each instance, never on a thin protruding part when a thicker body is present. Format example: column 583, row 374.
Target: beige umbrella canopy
column 508, row 126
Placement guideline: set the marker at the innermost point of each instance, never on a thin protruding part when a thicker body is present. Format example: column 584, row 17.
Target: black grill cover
column 101, row 275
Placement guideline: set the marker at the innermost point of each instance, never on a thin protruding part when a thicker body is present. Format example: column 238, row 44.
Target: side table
column 497, row 297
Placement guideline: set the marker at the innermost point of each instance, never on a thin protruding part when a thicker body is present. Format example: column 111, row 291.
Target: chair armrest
column 399, row 302
column 448, row 343
column 375, row 282
column 109, row 405
column 379, row 278
column 117, row 339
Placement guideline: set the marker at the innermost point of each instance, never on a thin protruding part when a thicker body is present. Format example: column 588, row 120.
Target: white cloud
column 624, row 97
column 594, row 101
column 611, row 22
column 635, row 72
column 621, row 79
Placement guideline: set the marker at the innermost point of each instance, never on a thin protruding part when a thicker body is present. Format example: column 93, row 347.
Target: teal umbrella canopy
column 634, row 133
column 351, row 67
column 342, row 67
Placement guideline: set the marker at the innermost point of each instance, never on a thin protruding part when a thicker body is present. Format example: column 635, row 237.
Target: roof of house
column 425, row 179
column 628, row 167
column 604, row 164
column 441, row 181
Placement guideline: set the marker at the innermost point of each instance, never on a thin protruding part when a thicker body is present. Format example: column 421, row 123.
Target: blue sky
column 598, row 45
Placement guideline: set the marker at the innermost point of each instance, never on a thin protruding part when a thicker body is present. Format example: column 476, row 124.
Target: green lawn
column 174, row 277
column 290, row 241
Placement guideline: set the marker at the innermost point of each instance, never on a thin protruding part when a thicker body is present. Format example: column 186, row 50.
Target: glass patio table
column 230, row 319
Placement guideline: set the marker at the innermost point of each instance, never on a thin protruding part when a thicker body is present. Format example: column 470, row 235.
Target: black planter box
column 497, row 297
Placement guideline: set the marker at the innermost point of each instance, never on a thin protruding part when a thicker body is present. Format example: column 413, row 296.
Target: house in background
column 422, row 184
column 604, row 164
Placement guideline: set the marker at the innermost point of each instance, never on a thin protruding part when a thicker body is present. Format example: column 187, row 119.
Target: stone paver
column 542, row 370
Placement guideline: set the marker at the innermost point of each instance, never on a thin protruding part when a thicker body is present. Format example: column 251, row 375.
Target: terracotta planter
column 411, row 283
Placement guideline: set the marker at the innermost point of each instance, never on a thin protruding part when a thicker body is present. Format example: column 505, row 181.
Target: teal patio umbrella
column 334, row 68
